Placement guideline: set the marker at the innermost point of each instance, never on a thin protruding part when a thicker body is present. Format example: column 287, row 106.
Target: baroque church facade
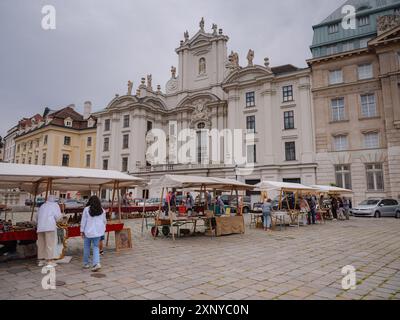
column 210, row 90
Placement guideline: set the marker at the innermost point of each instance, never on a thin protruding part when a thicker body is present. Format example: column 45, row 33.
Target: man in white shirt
column 47, row 217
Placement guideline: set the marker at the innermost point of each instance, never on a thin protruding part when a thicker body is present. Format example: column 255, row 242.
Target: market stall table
column 223, row 225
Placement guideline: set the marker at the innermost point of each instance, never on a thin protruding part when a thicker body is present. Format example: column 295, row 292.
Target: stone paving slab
column 293, row 264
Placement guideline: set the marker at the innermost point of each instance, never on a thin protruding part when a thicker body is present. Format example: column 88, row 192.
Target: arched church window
column 202, row 66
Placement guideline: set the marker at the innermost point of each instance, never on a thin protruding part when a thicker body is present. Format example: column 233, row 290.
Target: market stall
column 288, row 211
column 321, row 191
column 223, row 225
column 47, row 179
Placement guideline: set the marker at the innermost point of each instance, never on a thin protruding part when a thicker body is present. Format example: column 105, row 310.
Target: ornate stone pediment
column 387, row 36
column 121, row 102
column 388, row 22
column 247, row 74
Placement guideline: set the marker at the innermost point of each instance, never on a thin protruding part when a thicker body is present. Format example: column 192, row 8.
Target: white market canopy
column 28, row 177
column 186, row 182
column 331, row 190
column 276, row 185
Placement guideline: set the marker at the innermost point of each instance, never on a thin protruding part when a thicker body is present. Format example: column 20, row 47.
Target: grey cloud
column 99, row 44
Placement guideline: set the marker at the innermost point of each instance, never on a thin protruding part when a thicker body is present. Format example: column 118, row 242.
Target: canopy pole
column 47, row 188
column 119, row 202
column 112, row 200
column 144, row 215
column 287, row 202
column 206, row 199
column 158, row 214
column 34, row 201
column 170, row 219
column 237, row 203
column 280, row 199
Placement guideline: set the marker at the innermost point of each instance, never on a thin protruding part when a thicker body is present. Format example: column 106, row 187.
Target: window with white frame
column 105, row 164
column 125, row 141
column 364, row 43
column 337, row 110
column 88, row 161
column 107, row 125
column 287, row 92
column 290, row 151
column 124, row 167
column 333, row 28
column 371, row 140
column 375, row 181
column 340, row 143
column 348, row 46
column 368, row 106
column 126, row 121
column 365, row 71
column 363, row 21
column 343, row 176
column 250, row 99
column 335, row 77
column 251, row 154
column 251, row 124
column 106, row 144
column 332, row 50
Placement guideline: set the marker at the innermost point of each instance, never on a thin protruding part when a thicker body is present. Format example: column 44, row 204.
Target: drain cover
column 98, row 275
column 60, row 283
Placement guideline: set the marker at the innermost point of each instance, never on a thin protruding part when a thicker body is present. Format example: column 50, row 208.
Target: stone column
column 266, row 130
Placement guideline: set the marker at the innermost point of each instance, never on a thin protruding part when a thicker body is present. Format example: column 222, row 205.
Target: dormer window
column 363, row 21
column 68, row 122
column 202, row 66
column 333, row 28
column 91, row 123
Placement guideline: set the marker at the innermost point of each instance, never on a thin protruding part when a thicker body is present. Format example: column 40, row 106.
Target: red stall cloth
column 74, row 232
column 29, row 235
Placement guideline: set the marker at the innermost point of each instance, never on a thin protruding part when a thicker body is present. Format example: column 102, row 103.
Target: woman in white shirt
column 93, row 227
column 47, row 217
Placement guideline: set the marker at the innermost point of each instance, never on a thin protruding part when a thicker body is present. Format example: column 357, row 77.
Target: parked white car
column 377, row 208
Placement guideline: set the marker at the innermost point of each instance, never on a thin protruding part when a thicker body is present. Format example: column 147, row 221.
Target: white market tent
column 331, row 190
column 187, row 182
column 284, row 186
column 37, row 179
column 33, row 178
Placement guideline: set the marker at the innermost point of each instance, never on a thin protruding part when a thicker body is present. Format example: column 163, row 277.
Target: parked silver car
column 377, row 208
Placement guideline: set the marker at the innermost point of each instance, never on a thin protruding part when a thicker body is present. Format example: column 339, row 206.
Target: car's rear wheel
column 377, row 214
column 398, row 215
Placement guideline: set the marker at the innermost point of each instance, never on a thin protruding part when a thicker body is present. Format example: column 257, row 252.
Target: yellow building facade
column 63, row 138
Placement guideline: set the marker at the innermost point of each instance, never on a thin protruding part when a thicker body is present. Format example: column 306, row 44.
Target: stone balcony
column 178, row 167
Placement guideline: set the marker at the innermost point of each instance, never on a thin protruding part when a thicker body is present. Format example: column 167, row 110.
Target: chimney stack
column 87, row 110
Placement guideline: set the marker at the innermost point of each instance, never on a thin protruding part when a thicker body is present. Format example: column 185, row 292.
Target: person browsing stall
column 93, row 227
column 48, row 216
column 266, row 210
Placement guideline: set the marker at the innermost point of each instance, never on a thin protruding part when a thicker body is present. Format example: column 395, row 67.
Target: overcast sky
column 99, row 45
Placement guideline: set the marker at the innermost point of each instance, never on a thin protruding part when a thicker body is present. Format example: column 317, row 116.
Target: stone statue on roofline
column 202, row 24
column 233, row 60
column 214, row 28
column 149, row 82
column 130, row 86
column 186, row 35
column 173, row 72
column 250, row 58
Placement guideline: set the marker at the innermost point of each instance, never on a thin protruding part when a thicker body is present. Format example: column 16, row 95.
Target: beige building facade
column 356, row 101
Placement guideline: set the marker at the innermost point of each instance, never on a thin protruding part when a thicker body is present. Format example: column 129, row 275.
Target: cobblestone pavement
column 295, row 263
